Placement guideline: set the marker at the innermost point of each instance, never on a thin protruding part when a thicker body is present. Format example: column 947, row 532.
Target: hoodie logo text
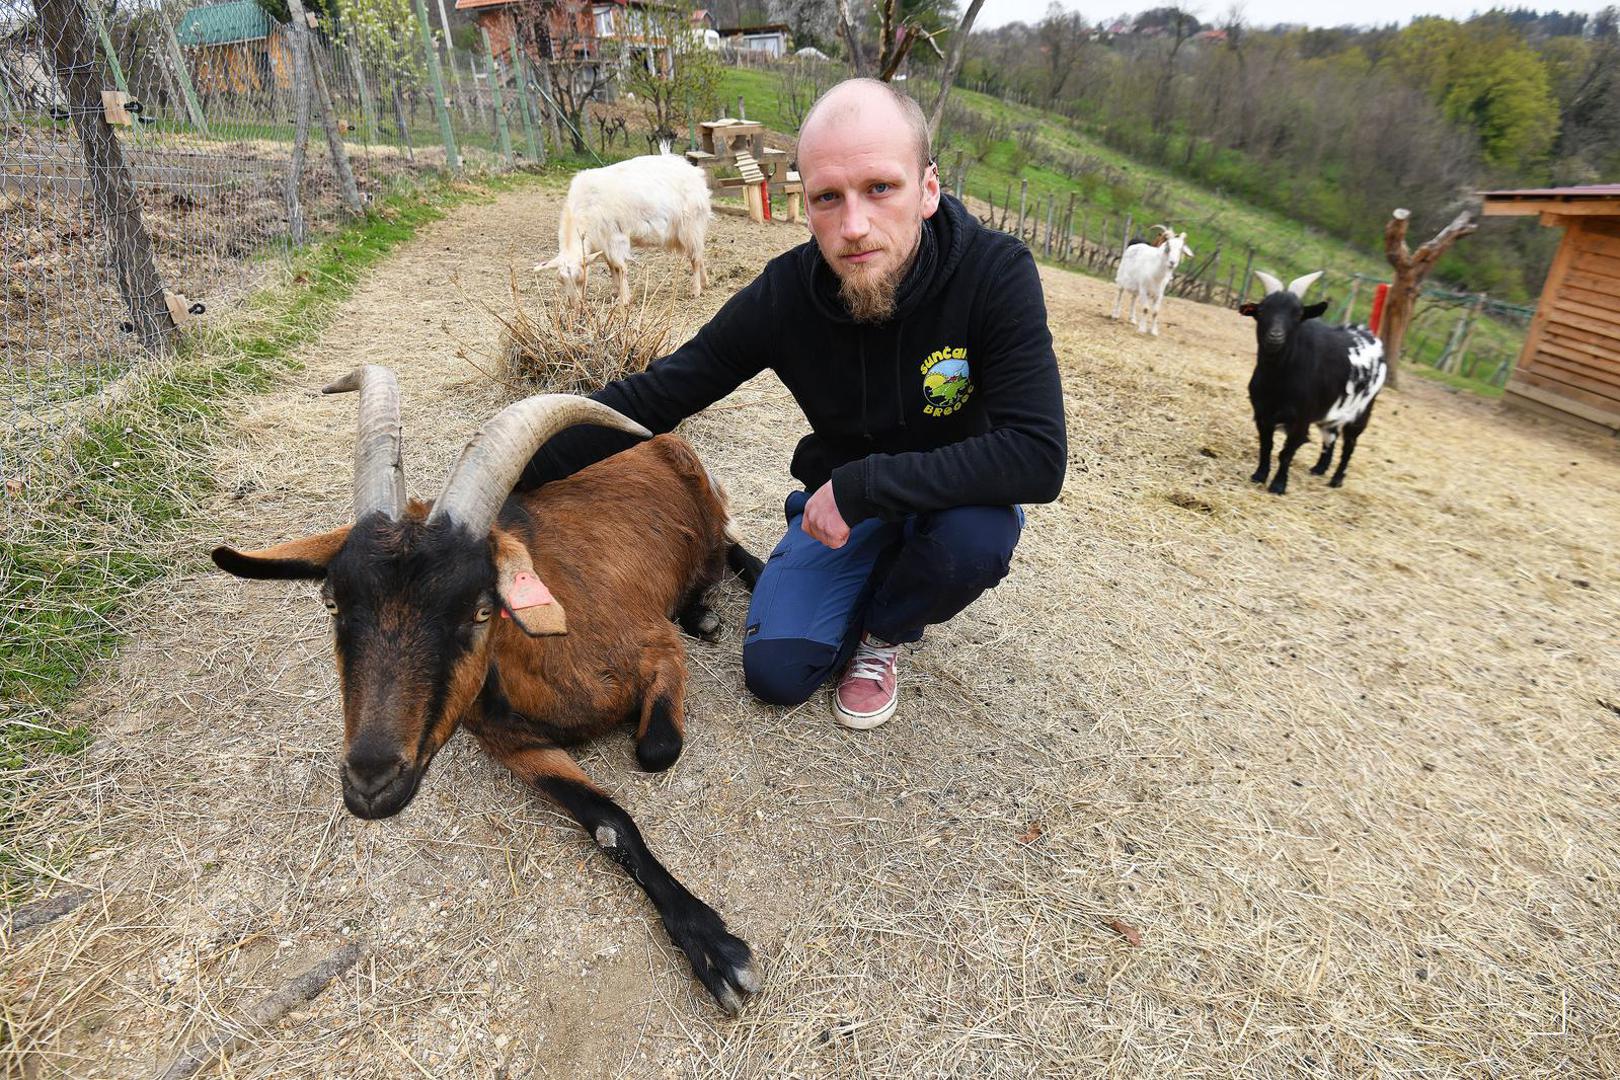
column 946, row 382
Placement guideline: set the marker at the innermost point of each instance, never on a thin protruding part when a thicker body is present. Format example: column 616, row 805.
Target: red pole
column 765, row 197
column 1379, row 295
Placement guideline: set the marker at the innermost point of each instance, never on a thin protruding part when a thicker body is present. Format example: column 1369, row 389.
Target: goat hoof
column 1318, row 470
column 1337, row 481
column 701, row 622
column 1259, row 476
column 1276, row 488
column 722, row 962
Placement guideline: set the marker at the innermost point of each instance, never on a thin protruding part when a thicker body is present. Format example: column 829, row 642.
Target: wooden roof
column 1592, row 199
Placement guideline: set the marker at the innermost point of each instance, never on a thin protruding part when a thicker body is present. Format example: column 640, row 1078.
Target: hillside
column 999, row 144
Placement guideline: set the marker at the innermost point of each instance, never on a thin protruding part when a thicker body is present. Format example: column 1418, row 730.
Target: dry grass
column 1347, row 762
column 550, row 345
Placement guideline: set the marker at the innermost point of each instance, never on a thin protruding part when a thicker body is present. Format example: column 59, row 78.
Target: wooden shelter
column 235, row 48
column 1570, row 364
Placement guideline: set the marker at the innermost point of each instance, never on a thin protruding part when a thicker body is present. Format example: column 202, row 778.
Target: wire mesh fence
column 159, row 158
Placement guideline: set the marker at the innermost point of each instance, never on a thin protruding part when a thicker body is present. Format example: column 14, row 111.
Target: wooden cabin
column 235, row 48
column 1570, row 365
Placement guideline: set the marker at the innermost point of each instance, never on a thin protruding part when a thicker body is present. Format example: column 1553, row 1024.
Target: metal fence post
column 441, row 108
column 499, row 95
column 182, row 74
column 531, row 129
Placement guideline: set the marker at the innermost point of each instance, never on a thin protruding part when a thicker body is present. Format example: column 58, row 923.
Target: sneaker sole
column 863, row 721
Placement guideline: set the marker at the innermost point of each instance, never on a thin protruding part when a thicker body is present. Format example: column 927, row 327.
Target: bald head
column 856, row 104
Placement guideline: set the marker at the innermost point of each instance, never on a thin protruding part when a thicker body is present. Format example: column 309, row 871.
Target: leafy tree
column 1485, row 76
column 675, row 74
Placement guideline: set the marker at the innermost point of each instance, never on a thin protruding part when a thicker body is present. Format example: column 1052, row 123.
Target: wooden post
column 296, row 225
column 400, row 126
column 1350, row 304
column 1126, row 241
column 1006, row 207
column 500, row 99
column 323, row 99
column 62, row 23
column 1474, row 314
column 357, row 68
column 1023, row 199
column 1068, row 229
column 182, row 74
column 440, row 108
column 1248, row 274
column 1410, row 270
column 742, row 110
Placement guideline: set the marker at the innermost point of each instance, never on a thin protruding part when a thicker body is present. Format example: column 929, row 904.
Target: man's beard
column 871, row 297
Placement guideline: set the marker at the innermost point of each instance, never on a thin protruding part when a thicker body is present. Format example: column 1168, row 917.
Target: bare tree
column 1410, row 270
column 959, row 42
column 1062, row 34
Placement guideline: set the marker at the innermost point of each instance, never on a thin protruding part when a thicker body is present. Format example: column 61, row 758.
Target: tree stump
column 1410, row 270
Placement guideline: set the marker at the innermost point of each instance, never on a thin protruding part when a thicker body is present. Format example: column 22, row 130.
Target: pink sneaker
column 867, row 694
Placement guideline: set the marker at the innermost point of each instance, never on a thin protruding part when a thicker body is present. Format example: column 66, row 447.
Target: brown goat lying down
column 453, row 613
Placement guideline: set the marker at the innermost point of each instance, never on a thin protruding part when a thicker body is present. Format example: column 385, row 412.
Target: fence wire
column 147, row 153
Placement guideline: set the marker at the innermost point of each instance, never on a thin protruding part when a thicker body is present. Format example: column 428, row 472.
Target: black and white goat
column 1309, row 373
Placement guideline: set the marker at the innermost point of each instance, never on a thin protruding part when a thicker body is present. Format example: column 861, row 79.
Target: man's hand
column 822, row 521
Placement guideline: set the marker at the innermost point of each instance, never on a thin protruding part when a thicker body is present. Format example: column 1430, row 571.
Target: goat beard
column 871, row 297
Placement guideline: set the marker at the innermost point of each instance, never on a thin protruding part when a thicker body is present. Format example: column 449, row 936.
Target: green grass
column 69, row 569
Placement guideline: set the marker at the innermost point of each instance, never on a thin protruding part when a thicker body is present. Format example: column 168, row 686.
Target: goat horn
column 486, row 470
column 1272, row 284
column 1162, row 228
column 1300, row 284
column 379, row 472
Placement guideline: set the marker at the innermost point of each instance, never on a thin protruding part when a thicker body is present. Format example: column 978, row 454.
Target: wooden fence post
column 1474, row 315
column 1350, row 304
column 296, row 225
column 1248, row 271
column 357, row 68
column 323, row 99
column 62, row 23
column 440, row 108
column 1023, row 198
column 1126, row 242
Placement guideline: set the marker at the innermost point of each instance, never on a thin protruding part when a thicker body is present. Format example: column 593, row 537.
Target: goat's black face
column 411, row 605
column 1277, row 316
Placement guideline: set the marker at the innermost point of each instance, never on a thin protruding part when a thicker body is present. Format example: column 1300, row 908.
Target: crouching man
column 915, row 341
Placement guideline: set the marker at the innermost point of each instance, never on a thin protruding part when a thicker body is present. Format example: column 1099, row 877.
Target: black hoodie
column 954, row 401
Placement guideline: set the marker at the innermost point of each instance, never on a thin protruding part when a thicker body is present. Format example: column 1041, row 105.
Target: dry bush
column 575, row 348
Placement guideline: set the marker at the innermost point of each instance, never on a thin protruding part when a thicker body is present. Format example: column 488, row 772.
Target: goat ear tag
column 526, row 600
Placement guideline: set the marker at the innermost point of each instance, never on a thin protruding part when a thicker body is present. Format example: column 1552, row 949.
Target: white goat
column 1144, row 272
column 656, row 201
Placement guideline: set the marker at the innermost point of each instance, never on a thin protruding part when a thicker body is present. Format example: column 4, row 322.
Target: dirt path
column 1347, row 761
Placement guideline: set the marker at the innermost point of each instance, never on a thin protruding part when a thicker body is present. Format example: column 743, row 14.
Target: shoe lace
column 872, row 661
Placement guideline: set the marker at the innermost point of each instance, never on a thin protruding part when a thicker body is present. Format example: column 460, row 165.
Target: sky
column 1269, row 12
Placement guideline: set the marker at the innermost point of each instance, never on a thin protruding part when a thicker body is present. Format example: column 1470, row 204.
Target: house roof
column 768, row 28
column 1600, row 199
column 223, row 24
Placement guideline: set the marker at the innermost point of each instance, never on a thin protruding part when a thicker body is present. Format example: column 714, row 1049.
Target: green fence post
column 94, row 8
column 441, row 108
column 500, row 97
column 537, row 149
column 177, row 60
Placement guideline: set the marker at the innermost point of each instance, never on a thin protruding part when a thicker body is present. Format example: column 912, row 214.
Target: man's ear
column 931, row 190
column 1313, row 311
column 1251, row 310
column 524, row 597
column 296, row 560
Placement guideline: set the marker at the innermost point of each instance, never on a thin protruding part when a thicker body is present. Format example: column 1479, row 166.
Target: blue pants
column 890, row 579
